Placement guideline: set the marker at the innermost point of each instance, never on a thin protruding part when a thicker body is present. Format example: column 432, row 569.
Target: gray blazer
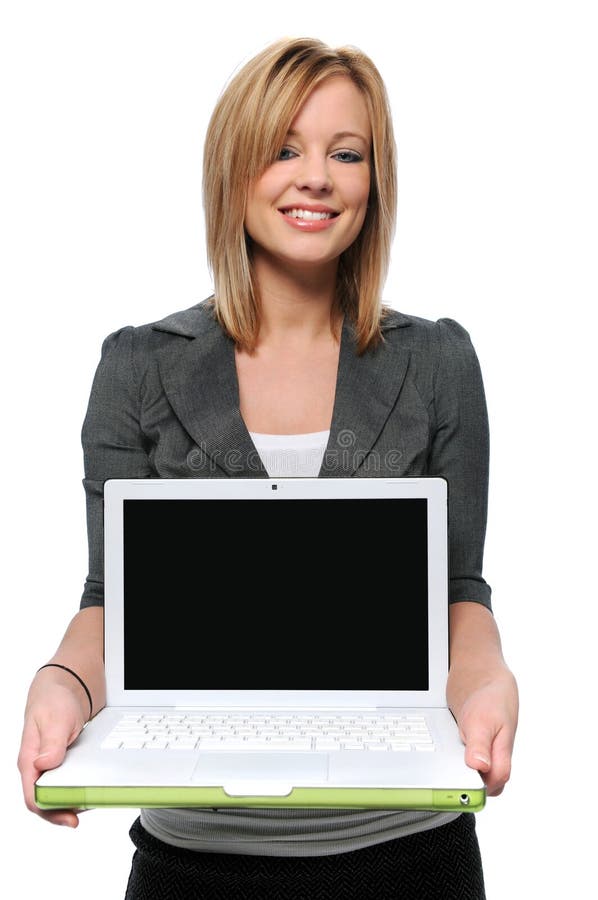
column 165, row 404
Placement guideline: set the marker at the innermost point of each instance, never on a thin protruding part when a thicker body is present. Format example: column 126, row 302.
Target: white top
column 291, row 455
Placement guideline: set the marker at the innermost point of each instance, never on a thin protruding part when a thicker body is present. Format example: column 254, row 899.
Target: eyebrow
column 335, row 137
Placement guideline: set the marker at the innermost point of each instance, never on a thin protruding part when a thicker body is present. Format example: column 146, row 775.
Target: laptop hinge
column 272, row 706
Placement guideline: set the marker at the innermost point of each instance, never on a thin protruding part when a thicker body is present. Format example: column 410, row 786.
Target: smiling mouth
column 308, row 215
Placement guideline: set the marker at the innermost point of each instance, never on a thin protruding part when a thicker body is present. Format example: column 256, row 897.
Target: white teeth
column 307, row 214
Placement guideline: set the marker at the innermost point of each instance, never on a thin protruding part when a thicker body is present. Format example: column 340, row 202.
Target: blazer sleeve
column 113, row 445
column 460, row 453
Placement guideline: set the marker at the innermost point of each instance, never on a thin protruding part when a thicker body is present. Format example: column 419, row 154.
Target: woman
column 294, row 361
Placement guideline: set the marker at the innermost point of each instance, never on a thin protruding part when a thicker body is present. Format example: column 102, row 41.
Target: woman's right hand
column 58, row 705
column 56, row 712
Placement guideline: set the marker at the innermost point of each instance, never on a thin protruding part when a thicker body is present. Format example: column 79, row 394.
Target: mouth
column 308, row 215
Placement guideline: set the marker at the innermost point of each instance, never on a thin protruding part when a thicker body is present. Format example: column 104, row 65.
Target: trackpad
column 261, row 773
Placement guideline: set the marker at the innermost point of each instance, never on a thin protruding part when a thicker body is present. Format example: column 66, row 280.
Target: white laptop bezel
column 434, row 490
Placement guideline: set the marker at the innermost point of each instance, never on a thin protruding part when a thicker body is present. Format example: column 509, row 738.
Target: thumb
column 478, row 748
column 52, row 749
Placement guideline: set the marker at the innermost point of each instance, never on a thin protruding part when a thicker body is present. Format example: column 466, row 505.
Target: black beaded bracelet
column 74, row 674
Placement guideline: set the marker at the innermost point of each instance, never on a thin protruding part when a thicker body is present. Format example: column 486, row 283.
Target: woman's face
column 309, row 205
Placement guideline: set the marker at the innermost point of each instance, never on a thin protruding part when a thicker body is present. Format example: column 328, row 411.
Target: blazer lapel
column 366, row 392
column 200, row 381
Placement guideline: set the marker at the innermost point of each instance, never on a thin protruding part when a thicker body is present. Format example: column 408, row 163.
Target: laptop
column 273, row 643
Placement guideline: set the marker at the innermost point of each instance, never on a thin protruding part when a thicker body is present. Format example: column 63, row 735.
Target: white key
column 399, row 747
column 425, row 747
column 325, row 744
column 132, row 744
column 157, row 744
column 111, row 743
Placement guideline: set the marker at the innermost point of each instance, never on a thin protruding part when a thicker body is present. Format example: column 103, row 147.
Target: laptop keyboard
column 196, row 731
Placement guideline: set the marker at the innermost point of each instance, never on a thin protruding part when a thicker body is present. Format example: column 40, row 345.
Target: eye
column 347, row 156
column 286, row 153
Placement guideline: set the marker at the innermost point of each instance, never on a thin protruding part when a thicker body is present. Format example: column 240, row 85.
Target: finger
column 30, row 744
column 67, row 817
column 500, row 771
column 36, row 755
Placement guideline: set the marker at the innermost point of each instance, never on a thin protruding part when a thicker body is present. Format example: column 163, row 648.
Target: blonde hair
column 245, row 135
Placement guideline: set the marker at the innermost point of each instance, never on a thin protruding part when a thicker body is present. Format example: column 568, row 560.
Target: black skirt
column 441, row 863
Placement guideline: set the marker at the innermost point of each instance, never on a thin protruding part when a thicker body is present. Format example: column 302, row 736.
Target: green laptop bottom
column 339, row 798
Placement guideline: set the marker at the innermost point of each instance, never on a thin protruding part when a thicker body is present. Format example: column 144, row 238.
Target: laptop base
column 339, row 798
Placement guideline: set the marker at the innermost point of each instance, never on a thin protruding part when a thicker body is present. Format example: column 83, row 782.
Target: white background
column 103, row 110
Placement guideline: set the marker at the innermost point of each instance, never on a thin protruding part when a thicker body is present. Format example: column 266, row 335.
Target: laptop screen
column 292, row 594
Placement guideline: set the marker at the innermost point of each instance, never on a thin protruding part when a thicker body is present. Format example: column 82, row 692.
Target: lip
column 310, row 207
column 309, row 225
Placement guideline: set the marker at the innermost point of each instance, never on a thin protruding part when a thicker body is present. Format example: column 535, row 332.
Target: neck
column 296, row 304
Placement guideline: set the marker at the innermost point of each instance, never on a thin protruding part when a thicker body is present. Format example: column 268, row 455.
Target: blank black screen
column 276, row 594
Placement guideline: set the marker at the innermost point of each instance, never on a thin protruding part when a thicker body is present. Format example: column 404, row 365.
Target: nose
column 314, row 174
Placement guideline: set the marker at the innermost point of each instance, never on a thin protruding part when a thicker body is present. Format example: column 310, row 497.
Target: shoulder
column 419, row 327
column 193, row 322
column 442, row 358
column 426, row 335
column 144, row 340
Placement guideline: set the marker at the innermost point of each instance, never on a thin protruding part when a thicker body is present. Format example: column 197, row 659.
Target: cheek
column 360, row 199
column 261, row 197
column 361, row 196
column 253, row 209
column 359, row 193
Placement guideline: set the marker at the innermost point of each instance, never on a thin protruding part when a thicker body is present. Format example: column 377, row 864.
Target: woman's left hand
column 482, row 694
column 487, row 718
